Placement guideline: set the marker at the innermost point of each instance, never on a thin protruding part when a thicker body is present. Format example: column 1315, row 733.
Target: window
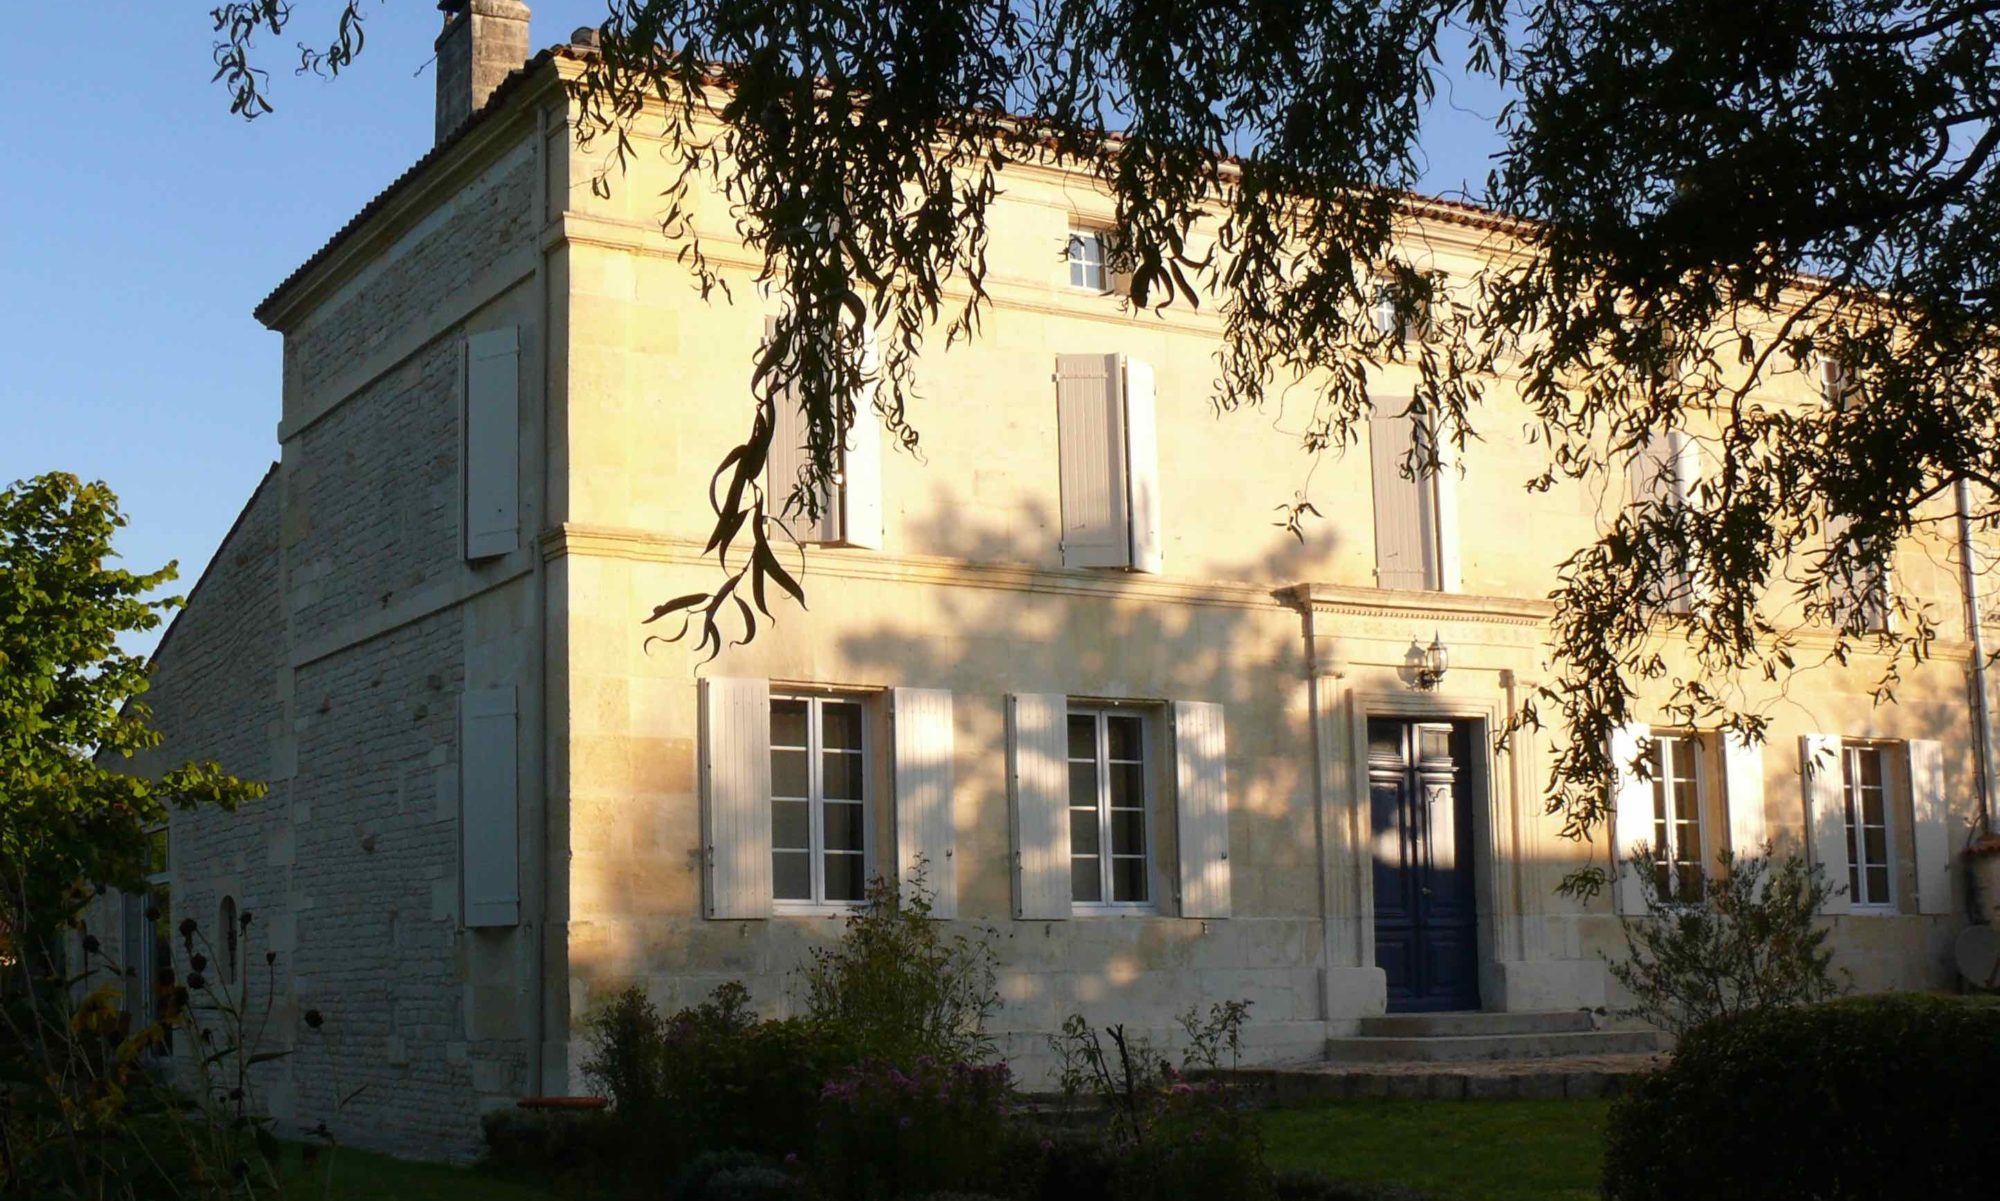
column 1679, row 867
column 1108, row 835
column 1108, row 447
column 819, row 800
column 850, row 505
column 1086, row 262
column 1865, row 796
column 1664, row 473
column 148, row 941
column 1416, row 540
column 1860, row 586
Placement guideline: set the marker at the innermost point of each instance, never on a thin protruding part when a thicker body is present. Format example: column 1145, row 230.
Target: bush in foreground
column 1864, row 1099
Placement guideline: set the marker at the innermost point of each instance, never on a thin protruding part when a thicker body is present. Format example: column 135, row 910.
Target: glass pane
column 1684, row 767
column 1128, row 880
column 1878, row 885
column 1128, row 785
column 1385, row 740
column 1689, row 884
column 1871, row 807
column 1084, row 882
column 1854, row 892
column 1082, row 737
column 791, row 875
column 791, row 825
column 1870, row 762
column 1083, row 832
column 844, row 826
column 1659, row 801
column 788, row 723
column 846, row 879
column 1123, row 735
column 1663, row 880
column 840, row 725
column 788, row 773
column 1689, row 849
column 1083, row 785
column 1128, row 831
column 844, row 772
column 1877, row 840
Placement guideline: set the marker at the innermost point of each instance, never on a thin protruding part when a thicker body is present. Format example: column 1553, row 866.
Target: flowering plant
column 887, row 1131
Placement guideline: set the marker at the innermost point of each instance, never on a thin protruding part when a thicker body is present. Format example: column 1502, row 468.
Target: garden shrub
column 1311, row 1186
column 736, row 1176
column 1863, row 1099
column 885, row 1132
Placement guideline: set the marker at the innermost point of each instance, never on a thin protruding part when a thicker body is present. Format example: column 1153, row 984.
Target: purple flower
column 903, row 1123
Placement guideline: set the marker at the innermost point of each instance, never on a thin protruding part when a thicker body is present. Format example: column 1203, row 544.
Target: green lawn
column 1475, row 1150
column 365, row 1176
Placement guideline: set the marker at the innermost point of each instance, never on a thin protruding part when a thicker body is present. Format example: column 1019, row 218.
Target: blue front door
column 1426, row 909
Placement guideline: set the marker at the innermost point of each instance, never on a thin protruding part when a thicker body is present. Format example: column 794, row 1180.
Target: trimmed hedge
column 1864, row 1099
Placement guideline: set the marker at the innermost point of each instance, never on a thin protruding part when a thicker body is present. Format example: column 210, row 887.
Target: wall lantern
column 1436, row 662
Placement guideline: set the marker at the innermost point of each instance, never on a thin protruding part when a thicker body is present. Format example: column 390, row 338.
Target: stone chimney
column 482, row 41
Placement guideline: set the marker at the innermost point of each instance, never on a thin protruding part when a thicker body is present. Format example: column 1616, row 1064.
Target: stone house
column 1169, row 754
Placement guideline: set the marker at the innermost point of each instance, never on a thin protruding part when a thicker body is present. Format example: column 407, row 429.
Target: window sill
column 816, row 908
column 1874, row 911
column 1112, row 909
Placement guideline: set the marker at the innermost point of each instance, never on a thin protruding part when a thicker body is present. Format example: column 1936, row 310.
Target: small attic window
column 1086, row 261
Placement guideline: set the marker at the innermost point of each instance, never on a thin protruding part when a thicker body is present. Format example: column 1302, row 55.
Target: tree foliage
column 1695, row 197
column 68, row 698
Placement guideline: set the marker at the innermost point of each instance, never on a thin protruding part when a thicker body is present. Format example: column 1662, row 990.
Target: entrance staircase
column 1556, row 1053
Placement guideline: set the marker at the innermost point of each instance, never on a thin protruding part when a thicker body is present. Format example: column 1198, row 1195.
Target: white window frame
column 1855, row 834
column 1076, row 257
column 816, row 703
column 1100, row 712
column 1665, row 812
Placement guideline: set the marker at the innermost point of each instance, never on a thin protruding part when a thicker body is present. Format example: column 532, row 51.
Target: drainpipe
column 1969, row 575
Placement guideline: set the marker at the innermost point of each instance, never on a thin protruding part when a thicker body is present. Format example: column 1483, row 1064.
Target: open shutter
column 1142, row 463
column 1444, row 515
column 789, row 454
column 489, row 813
column 1090, row 431
column 736, row 796
column 1743, row 777
column 1631, row 814
column 923, row 729
column 1400, row 521
column 861, row 474
column 1038, row 802
column 1201, row 798
column 492, row 443
column 1826, row 814
column 1931, row 827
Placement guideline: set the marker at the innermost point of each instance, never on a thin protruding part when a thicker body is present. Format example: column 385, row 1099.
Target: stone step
column 1577, row 1078
column 1465, row 1048
column 1433, row 1025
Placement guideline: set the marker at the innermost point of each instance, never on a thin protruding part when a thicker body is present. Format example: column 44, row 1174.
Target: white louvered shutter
column 1631, row 814
column 1201, row 797
column 1090, row 432
column 1826, row 814
column 1402, row 527
column 1142, row 467
column 736, row 796
column 489, row 808
column 789, row 455
column 1443, row 492
column 1931, row 826
column 492, row 443
column 922, row 722
column 1743, row 777
column 1038, row 801
column 861, row 474
column 1665, row 471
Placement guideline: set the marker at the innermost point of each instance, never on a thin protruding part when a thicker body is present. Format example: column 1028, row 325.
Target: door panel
column 1426, row 909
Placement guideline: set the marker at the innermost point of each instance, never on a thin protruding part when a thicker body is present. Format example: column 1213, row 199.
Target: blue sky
column 145, row 222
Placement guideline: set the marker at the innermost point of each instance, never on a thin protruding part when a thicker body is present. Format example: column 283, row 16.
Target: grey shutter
column 1442, row 493
column 1201, row 799
column 1931, row 827
column 736, row 796
column 789, row 455
column 922, row 722
column 489, row 808
column 1401, row 526
column 1743, row 777
column 1826, row 814
column 492, row 443
column 1631, row 813
column 1038, row 803
column 861, row 466
column 1142, row 467
column 1091, row 445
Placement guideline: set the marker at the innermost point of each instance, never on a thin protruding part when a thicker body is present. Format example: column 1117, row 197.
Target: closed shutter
column 1142, row 460
column 861, row 475
column 1090, row 430
column 489, row 812
column 1743, row 776
column 1201, row 798
column 736, row 796
column 1826, row 814
column 1931, row 826
column 1631, row 814
column 492, row 443
column 1442, row 492
column 1401, row 524
column 922, row 722
column 1038, row 803
column 789, row 455
column 1664, row 472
